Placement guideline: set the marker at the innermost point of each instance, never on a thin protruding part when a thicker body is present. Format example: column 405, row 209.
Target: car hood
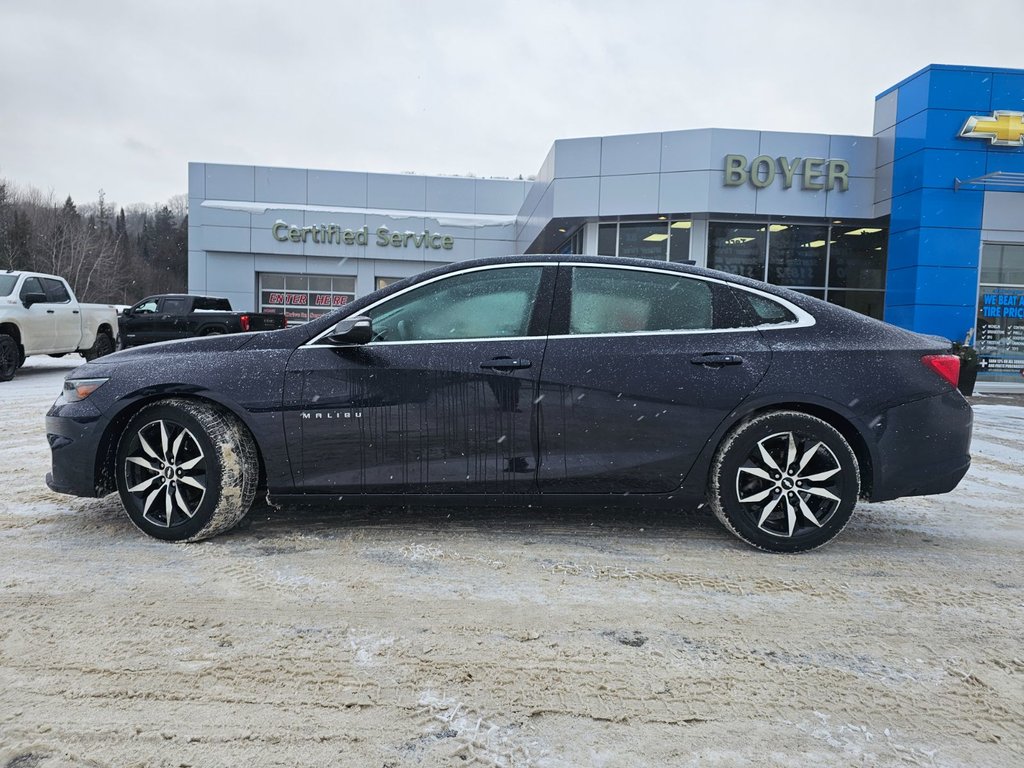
column 225, row 343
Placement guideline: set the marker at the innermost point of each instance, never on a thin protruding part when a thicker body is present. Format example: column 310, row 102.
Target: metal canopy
column 1010, row 179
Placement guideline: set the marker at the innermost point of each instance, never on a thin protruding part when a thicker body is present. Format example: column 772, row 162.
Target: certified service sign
column 1004, row 128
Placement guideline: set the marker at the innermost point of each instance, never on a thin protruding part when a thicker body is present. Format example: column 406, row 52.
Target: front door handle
column 505, row 364
column 716, row 360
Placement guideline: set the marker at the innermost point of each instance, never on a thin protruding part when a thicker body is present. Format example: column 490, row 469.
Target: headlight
column 79, row 389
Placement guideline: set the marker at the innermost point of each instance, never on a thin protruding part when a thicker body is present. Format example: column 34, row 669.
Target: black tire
column 784, row 482
column 186, row 470
column 214, row 332
column 58, row 354
column 10, row 357
column 103, row 345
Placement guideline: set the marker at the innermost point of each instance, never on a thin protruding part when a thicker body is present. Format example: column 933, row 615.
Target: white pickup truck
column 40, row 315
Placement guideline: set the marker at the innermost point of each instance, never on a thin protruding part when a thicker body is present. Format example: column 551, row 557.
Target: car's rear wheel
column 185, row 470
column 784, row 482
column 103, row 345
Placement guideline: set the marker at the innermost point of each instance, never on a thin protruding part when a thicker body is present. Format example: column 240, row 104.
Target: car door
column 173, row 317
column 39, row 332
column 641, row 366
column 67, row 316
column 138, row 323
column 441, row 401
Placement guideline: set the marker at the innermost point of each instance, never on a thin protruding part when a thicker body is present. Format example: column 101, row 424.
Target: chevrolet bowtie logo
column 1004, row 128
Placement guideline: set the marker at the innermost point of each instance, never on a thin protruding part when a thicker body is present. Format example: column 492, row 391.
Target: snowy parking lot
column 508, row 638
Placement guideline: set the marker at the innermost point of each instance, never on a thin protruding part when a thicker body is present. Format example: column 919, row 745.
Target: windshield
column 7, row 284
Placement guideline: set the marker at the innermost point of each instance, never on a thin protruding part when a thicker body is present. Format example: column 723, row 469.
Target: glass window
column 624, row 301
column 275, row 282
column 870, row 303
column 303, row 297
column 146, row 307
column 737, row 248
column 320, row 284
column 7, row 283
column 384, row 282
column 211, row 304
column 56, row 293
column 344, row 285
column 174, row 306
column 796, row 255
column 1002, row 264
column 766, row 311
column 679, row 241
column 857, row 257
column 643, row 240
column 491, row 303
column 31, row 285
column 607, row 237
column 572, row 244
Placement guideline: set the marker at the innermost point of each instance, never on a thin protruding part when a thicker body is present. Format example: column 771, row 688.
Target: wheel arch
column 12, row 330
column 843, row 421
column 107, row 449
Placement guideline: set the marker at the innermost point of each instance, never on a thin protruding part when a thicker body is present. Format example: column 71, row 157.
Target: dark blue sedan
column 528, row 380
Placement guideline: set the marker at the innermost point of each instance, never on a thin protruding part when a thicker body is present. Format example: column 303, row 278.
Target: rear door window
column 56, row 293
column 629, row 301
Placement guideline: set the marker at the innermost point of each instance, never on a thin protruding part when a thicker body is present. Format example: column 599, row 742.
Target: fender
column 840, row 416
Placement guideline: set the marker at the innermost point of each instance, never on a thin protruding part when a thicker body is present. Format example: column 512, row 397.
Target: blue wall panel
column 935, row 229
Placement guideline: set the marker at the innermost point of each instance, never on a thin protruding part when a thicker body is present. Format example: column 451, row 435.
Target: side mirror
column 351, row 330
column 33, row 298
column 127, row 312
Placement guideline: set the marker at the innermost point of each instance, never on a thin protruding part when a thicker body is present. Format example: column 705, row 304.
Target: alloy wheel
column 790, row 484
column 165, row 473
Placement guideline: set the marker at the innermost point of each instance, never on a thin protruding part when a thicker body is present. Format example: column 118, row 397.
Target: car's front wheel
column 10, row 357
column 784, row 481
column 186, row 470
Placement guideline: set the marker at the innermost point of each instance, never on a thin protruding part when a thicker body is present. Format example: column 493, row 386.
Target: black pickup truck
column 182, row 316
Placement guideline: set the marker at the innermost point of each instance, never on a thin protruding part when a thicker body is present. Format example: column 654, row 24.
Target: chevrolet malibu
column 528, row 380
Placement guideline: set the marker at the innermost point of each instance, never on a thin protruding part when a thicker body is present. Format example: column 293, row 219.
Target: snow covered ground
column 484, row 637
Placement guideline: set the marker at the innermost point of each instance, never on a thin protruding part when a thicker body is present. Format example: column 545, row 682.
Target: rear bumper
column 923, row 447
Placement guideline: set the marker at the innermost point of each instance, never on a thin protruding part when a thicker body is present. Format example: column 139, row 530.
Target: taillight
column 285, row 323
column 244, row 319
column 947, row 366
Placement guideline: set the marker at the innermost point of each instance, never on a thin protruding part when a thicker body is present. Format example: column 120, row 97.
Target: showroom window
column 384, row 282
column 304, row 297
column 1000, row 329
column 844, row 265
column 662, row 239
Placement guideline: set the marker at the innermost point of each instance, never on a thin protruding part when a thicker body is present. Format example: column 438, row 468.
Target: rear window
column 7, row 283
column 56, row 293
column 764, row 311
column 208, row 304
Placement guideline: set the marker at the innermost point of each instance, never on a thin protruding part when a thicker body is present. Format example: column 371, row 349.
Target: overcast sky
column 122, row 95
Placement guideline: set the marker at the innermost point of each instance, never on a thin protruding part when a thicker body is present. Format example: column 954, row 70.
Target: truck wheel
column 10, row 357
column 186, row 471
column 103, row 345
column 214, row 332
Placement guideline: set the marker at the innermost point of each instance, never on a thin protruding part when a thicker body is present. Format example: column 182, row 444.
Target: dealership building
column 920, row 224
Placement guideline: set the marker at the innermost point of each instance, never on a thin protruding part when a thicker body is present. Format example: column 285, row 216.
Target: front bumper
column 75, row 432
column 923, row 447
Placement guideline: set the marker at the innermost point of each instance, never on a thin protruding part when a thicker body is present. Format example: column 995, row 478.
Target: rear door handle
column 505, row 364
column 49, row 311
column 716, row 360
